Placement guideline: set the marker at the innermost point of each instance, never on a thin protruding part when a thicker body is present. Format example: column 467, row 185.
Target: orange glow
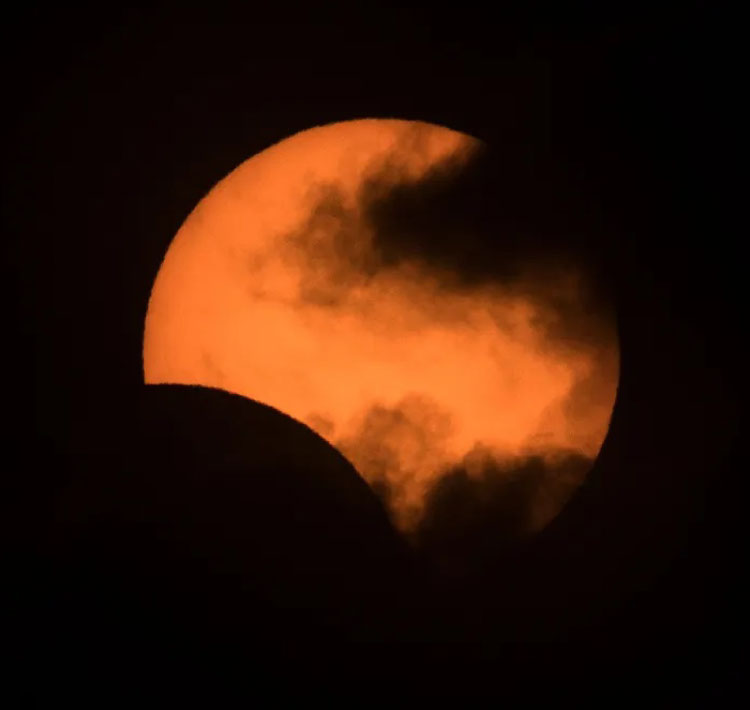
column 267, row 294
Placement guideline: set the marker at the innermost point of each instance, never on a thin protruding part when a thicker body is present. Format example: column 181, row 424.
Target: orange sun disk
column 265, row 292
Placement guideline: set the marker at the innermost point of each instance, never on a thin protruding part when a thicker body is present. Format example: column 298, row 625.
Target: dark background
column 615, row 122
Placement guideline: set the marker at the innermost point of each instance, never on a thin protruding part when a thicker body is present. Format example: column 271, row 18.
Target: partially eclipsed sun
column 275, row 288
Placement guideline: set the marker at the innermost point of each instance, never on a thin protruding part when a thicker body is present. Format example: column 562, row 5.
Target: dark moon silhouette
column 212, row 522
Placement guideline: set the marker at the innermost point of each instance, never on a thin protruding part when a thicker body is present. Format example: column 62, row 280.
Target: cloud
column 459, row 220
column 465, row 221
column 486, row 503
column 400, row 448
column 439, row 498
column 384, row 283
column 409, row 252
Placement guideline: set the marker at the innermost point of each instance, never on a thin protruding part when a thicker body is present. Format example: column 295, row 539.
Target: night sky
column 179, row 542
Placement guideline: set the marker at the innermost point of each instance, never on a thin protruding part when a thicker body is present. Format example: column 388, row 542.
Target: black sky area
column 183, row 544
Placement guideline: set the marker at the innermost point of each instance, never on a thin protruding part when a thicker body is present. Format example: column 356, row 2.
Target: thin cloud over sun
column 291, row 283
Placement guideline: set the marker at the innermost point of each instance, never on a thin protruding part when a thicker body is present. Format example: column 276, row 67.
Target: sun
column 276, row 287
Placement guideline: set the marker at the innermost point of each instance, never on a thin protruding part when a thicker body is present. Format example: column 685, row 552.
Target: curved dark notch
column 210, row 518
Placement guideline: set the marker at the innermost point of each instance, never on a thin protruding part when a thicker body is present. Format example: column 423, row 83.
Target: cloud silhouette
column 486, row 503
column 438, row 228
column 344, row 277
